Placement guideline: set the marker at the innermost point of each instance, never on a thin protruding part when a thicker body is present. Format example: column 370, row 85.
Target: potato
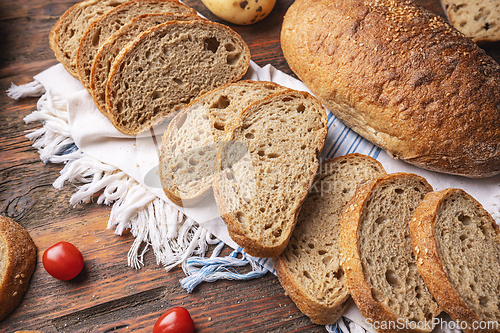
column 242, row 12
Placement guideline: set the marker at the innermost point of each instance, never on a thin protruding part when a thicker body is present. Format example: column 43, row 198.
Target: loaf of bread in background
column 401, row 77
column 378, row 260
column 168, row 66
column 17, row 264
column 477, row 19
column 65, row 36
column 269, row 160
column 98, row 32
column 457, row 249
column 310, row 268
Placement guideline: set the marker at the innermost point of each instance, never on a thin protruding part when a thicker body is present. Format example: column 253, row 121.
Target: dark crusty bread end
column 457, row 249
column 17, row 264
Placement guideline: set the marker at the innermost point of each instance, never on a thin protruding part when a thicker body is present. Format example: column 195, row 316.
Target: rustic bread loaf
column 478, row 20
column 65, row 36
column 380, row 267
column 457, row 248
column 167, row 66
column 310, row 268
column 108, row 52
column 98, row 32
column 401, row 77
column 17, row 264
column 188, row 154
column 268, row 161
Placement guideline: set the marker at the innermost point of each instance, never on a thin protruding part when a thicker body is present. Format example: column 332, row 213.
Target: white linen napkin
column 137, row 156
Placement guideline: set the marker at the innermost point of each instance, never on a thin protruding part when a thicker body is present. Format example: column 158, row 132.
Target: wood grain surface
column 108, row 295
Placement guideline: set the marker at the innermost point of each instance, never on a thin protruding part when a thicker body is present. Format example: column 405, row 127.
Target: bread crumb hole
column 466, row 220
column 229, row 47
column 222, row 103
column 399, row 191
column 321, row 252
column 233, row 58
column 273, row 155
column 483, row 300
column 392, row 278
column 326, row 260
column 193, row 161
column 301, row 108
column 277, row 233
column 381, row 219
column 338, row 274
column 307, row 275
column 196, row 138
column 286, row 99
column 211, row 44
column 157, row 94
column 179, row 81
column 261, row 153
column 96, row 37
column 241, row 217
column 249, row 136
column 311, row 245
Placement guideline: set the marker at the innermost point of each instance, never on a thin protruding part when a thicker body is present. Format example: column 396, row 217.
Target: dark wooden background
column 108, row 295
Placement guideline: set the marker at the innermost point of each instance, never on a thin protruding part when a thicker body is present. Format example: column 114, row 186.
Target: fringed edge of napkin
column 175, row 238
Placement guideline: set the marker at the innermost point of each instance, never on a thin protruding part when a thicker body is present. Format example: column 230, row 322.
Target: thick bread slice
column 65, row 36
column 17, row 264
column 167, row 66
column 403, row 78
column 101, row 29
column 188, row 154
column 310, row 268
column 380, row 267
column 457, row 247
column 108, row 52
column 478, row 20
column 269, row 160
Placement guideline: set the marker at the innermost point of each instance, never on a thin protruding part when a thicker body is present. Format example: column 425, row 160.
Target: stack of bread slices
column 143, row 60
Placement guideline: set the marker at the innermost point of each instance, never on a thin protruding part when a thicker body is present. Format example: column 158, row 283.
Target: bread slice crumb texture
column 310, row 268
column 188, row 155
column 268, row 163
column 457, row 244
column 380, row 265
column 167, row 66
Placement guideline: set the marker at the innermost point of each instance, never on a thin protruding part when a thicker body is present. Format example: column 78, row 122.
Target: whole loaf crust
column 403, row 78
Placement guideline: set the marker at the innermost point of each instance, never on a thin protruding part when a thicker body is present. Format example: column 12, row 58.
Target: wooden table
column 108, row 295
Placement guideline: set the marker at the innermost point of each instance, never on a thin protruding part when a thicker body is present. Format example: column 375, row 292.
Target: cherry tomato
column 175, row 320
column 63, row 261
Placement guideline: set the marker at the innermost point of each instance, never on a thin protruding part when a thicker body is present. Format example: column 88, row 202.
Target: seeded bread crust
column 478, row 20
column 17, row 264
column 66, row 34
column 433, row 269
column 168, row 66
column 108, row 52
column 188, row 154
column 98, row 32
column 310, row 268
column 401, row 77
column 376, row 305
column 269, row 159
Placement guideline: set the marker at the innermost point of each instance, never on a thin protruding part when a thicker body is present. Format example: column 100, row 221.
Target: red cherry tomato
column 175, row 320
column 63, row 261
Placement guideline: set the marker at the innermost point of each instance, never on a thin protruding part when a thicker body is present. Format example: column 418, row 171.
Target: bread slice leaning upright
column 17, row 264
column 109, row 50
column 188, row 153
column 380, row 267
column 310, row 268
column 457, row 247
column 98, row 32
column 168, row 66
column 269, row 160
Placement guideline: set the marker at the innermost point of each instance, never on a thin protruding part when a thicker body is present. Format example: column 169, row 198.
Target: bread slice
column 269, row 160
column 381, row 270
column 478, row 20
column 66, row 34
column 17, row 264
column 108, row 52
column 457, row 247
column 167, row 66
column 188, row 154
column 101, row 29
column 310, row 268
